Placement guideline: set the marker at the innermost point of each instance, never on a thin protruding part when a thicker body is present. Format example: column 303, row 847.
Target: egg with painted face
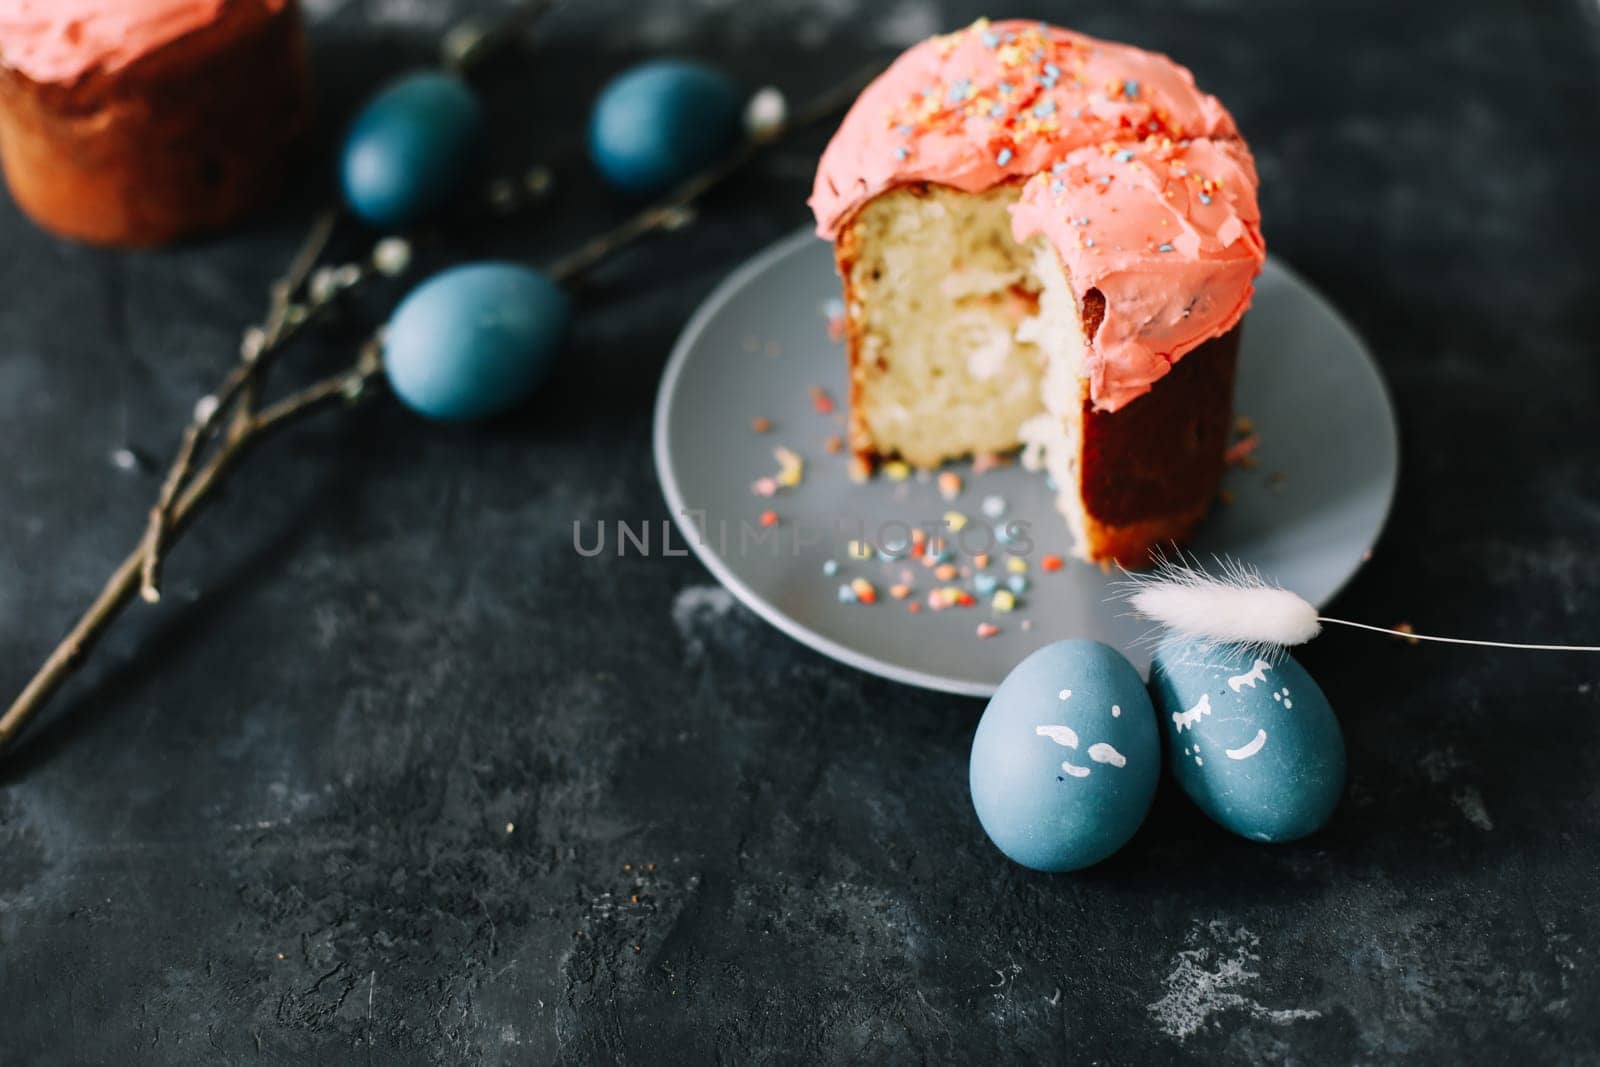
column 1066, row 757
column 1250, row 738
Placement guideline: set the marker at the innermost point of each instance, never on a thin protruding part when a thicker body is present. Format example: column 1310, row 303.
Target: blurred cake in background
column 1047, row 240
column 135, row 122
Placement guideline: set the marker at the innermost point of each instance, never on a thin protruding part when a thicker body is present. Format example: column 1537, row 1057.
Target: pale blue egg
column 1066, row 757
column 662, row 121
column 475, row 340
column 1250, row 738
column 411, row 148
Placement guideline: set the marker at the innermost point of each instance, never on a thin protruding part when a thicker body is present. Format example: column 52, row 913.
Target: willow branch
column 347, row 385
column 241, row 382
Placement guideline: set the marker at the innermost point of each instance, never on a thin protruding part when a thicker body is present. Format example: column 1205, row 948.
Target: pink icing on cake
column 1173, row 237
column 59, row 41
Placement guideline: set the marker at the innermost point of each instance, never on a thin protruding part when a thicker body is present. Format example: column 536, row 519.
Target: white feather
column 1239, row 607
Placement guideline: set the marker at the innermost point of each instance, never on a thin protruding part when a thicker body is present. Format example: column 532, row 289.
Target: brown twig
column 207, row 478
column 242, row 382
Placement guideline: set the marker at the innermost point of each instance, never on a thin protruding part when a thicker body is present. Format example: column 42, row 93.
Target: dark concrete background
column 392, row 776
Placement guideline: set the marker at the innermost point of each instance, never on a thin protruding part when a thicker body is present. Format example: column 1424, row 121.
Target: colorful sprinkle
column 902, row 153
column 955, row 520
column 1003, row 600
column 984, row 584
column 1052, row 563
column 846, row 595
column 1125, row 156
column 858, row 550
column 821, row 401
column 1017, row 583
column 864, row 591
column 791, row 468
column 946, row 572
column 981, row 560
column 764, row 487
column 833, row 445
column 896, row 470
column 830, row 567
column 1017, row 565
column 1241, row 450
column 1004, row 157
column 1130, row 89
column 994, row 506
column 949, row 484
column 987, row 630
column 760, row 425
column 915, row 607
column 900, row 592
column 1164, row 247
column 769, row 518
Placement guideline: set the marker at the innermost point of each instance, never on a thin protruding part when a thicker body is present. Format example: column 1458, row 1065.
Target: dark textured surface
column 393, row 776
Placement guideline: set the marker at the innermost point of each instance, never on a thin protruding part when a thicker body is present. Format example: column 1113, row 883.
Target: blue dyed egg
column 1251, row 740
column 1066, row 757
column 660, row 122
column 411, row 148
column 475, row 340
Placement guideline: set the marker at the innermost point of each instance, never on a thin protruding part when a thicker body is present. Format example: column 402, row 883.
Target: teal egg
column 1251, row 739
column 411, row 148
column 474, row 341
column 658, row 123
column 1066, row 758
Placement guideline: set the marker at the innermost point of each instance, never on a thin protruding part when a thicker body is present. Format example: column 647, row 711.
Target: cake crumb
column 833, row 444
column 860, row 469
column 761, row 425
column 1241, row 452
column 1407, row 628
column 1244, row 425
column 949, row 484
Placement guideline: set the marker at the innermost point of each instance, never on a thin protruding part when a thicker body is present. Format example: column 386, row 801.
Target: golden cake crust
column 187, row 138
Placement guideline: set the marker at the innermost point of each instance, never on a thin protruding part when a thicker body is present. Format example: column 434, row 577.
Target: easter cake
column 1048, row 241
column 134, row 122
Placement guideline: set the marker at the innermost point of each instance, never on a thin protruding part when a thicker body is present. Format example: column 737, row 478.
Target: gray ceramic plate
column 759, row 347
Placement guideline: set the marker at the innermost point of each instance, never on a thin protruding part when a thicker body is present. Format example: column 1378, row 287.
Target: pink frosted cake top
column 58, row 41
column 1138, row 178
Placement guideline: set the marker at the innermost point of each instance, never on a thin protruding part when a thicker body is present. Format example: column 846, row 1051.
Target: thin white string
column 1459, row 640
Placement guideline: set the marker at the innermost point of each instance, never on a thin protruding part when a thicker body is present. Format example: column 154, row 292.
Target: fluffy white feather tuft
column 1238, row 607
